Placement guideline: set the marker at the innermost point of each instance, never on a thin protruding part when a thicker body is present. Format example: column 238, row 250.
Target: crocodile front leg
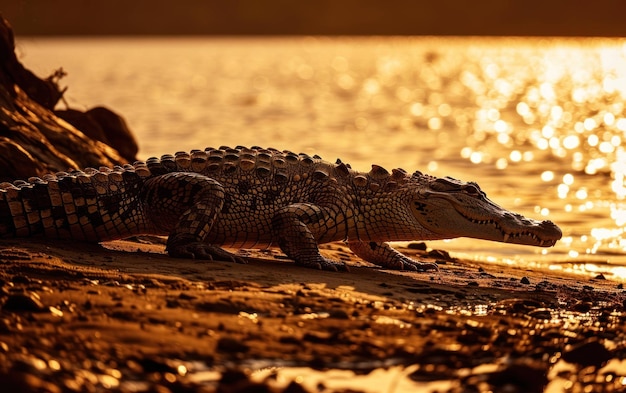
column 382, row 254
column 296, row 228
column 185, row 205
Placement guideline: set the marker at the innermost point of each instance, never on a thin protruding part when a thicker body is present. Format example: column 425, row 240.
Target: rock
column 540, row 313
column 23, row 302
column 590, row 353
column 519, row 378
column 82, row 121
column 118, row 135
column 103, row 125
column 44, row 92
column 33, row 140
column 417, row 246
column 441, row 254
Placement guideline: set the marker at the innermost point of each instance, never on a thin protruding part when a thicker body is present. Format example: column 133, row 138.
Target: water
column 539, row 124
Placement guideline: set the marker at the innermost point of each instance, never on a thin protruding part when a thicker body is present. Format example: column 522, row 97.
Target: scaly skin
column 257, row 198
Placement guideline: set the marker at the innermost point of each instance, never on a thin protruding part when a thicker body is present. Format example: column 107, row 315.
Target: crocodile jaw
column 458, row 215
column 526, row 231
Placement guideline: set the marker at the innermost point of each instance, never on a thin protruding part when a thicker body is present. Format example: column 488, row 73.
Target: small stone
column 582, row 306
column 5, row 325
column 294, row 387
column 227, row 344
column 23, row 302
column 186, row 296
column 338, row 314
column 417, row 246
column 440, row 254
column 540, row 313
column 591, row 353
column 525, row 280
column 317, row 337
column 519, row 378
column 21, row 279
column 233, row 376
column 172, row 303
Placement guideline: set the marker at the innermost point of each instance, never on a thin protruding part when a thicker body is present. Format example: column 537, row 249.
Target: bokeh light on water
column 562, row 105
column 539, row 124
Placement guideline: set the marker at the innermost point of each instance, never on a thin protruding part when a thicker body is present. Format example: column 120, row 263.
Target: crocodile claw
column 325, row 264
column 199, row 250
column 420, row 266
column 409, row 264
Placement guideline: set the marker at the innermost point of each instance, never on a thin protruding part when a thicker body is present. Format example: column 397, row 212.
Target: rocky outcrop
column 102, row 124
column 34, row 139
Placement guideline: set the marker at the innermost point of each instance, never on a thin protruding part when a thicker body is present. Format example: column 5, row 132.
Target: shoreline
column 137, row 320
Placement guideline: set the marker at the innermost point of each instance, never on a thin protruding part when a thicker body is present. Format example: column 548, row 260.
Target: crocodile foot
column 385, row 256
column 199, row 250
column 322, row 263
column 407, row 263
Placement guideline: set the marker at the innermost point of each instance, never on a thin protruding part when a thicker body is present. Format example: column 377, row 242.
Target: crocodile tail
column 90, row 206
column 19, row 216
column 7, row 226
column 38, row 208
column 53, row 208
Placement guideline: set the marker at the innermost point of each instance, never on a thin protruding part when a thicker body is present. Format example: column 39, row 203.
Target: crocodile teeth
column 506, row 237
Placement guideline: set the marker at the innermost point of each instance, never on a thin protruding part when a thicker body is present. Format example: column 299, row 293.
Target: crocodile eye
column 471, row 189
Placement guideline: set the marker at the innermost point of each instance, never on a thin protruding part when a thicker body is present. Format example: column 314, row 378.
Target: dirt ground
column 125, row 317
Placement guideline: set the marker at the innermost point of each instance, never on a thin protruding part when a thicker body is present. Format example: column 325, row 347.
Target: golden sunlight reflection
column 560, row 105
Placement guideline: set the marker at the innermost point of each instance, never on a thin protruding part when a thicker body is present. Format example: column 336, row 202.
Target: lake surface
column 540, row 124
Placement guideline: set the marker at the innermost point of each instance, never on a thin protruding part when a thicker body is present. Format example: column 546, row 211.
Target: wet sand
column 125, row 317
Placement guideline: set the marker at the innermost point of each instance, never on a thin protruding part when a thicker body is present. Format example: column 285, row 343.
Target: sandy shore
column 125, row 317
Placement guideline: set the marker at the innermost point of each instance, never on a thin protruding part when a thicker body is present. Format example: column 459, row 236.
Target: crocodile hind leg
column 185, row 205
column 382, row 254
column 295, row 227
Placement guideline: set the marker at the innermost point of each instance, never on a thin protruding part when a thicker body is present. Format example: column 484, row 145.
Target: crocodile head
column 450, row 208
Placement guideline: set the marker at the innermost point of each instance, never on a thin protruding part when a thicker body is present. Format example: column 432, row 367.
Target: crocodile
column 256, row 197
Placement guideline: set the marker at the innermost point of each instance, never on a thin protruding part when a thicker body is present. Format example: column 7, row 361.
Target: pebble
column 227, row 344
column 590, row 353
column 21, row 279
column 540, row 313
column 187, row 296
column 519, row 378
column 417, row 246
column 338, row 314
column 5, row 325
column 23, row 302
column 582, row 306
column 440, row 254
